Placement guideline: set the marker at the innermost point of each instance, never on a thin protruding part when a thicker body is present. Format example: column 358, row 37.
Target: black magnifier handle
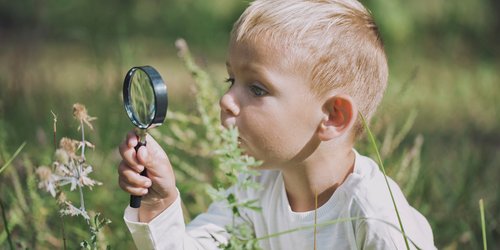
column 135, row 201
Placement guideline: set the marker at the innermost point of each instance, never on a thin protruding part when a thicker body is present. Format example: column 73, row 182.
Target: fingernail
column 147, row 183
column 145, row 191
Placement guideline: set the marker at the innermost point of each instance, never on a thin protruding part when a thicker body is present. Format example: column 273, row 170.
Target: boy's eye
column 230, row 81
column 257, row 91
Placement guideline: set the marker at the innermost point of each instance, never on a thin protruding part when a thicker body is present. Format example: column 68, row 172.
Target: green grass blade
column 13, row 157
column 310, row 227
column 374, row 144
column 483, row 223
column 336, row 221
column 4, row 218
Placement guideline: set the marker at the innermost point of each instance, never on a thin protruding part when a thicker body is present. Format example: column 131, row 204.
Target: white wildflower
column 47, row 180
column 84, row 180
column 61, row 169
column 62, row 156
column 85, row 143
column 68, row 174
column 70, row 146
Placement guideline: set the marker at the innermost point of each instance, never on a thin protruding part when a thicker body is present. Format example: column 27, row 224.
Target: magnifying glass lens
column 142, row 99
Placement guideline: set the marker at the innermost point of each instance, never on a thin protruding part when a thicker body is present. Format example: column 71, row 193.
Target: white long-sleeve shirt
column 364, row 194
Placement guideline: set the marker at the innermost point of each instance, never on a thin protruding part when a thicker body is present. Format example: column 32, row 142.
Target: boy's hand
column 157, row 189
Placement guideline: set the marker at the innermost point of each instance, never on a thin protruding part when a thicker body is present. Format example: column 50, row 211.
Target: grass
column 381, row 164
column 483, row 224
column 9, row 161
column 449, row 169
column 6, row 225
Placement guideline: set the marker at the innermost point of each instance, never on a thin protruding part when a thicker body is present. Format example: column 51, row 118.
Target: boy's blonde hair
column 335, row 42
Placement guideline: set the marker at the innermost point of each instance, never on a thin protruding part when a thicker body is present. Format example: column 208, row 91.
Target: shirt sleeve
column 381, row 228
column 384, row 232
column 168, row 230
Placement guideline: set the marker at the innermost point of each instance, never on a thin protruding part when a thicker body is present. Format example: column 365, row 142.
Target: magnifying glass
column 146, row 101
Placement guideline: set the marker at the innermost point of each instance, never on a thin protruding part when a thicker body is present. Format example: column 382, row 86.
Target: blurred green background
column 444, row 67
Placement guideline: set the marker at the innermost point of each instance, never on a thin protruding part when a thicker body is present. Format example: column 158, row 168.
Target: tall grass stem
column 9, row 161
column 309, row 227
column 54, row 129
column 374, row 144
column 6, row 225
column 483, row 224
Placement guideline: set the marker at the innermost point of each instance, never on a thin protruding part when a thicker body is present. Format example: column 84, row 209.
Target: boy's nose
column 229, row 108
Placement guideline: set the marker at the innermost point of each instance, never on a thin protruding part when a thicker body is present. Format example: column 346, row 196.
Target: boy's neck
column 320, row 176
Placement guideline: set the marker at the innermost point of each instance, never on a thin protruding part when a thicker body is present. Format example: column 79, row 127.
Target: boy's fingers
column 138, row 191
column 129, row 157
column 131, row 139
column 130, row 154
column 142, row 155
column 127, row 152
column 132, row 176
column 129, row 143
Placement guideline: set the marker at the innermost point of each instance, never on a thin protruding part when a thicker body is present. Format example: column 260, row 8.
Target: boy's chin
column 246, row 152
column 243, row 148
column 264, row 166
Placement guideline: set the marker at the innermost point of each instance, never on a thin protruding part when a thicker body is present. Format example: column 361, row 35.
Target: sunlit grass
column 483, row 224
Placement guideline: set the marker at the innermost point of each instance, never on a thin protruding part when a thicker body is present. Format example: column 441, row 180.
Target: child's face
column 271, row 104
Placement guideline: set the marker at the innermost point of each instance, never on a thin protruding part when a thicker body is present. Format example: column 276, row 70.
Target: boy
column 300, row 71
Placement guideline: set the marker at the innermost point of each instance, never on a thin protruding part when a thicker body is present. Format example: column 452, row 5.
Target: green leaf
column 13, row 157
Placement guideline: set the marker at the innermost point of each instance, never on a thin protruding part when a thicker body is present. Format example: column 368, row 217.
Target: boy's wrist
column 153, row 207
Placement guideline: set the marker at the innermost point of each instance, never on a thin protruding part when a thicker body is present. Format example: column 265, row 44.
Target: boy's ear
column 340, row 114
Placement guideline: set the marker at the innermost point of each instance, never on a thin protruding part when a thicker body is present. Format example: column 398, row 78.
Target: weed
column 72, row 169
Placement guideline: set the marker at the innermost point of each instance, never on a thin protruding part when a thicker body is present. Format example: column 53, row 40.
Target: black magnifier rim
column 160, row 95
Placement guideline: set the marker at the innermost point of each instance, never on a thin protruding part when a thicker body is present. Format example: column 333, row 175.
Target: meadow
column 438, row 128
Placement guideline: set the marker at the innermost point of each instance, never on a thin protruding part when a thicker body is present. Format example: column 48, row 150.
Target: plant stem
column 82, row 202
column 4, row 217
column 63, row 231
column 483, row 223
column 374, row 144
column 83, row 140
